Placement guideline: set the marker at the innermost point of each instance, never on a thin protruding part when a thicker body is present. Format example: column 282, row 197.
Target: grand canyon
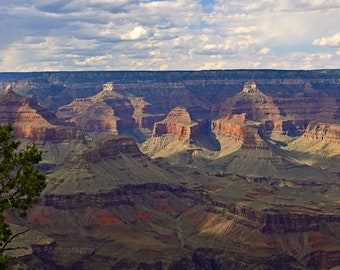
column 216, row 169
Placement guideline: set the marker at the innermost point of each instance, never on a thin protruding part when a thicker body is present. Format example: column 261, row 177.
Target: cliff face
column 254, row 183
column 177, row 122
column 232, row 125
column 33, row 121
column 323, row 131
column 255, row 104
column 111, row 147
column 107, row 111
column 173, row 221
column 133, row 101
column 283, row 115
column 59, row 88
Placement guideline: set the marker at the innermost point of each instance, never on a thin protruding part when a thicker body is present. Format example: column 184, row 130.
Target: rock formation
column 33, row 121
column 141, row 224
column 323, row 131
column 242, row 174
column 177, row 122
column 107, row 111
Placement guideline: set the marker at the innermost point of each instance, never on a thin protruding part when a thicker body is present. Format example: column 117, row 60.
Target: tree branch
column 3, row 248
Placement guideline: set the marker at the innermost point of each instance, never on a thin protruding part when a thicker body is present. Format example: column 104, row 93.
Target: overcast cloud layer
column 41, row 35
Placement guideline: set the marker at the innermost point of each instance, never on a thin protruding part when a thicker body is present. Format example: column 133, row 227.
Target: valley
column 227, row 169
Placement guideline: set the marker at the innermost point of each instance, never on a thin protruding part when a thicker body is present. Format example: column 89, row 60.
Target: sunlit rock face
column 327, row 132
column 32, row 121
column 107, row 111
column 177, row 122
column 250, row 87
column 152, row 222
column 232, row 170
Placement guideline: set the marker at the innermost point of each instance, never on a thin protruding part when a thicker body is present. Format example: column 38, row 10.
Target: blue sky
column 40, row 35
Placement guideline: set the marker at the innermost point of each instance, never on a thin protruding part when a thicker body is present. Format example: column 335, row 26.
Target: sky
column 57, row 35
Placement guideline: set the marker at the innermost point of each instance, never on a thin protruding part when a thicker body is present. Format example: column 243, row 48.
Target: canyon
column 226, row 169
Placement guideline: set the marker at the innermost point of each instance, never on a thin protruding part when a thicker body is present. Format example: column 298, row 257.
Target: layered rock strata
column 33, row 121
column 107, row 111
column 239, row 128
column 179, row 123
column 175, row 221
column 328, row 132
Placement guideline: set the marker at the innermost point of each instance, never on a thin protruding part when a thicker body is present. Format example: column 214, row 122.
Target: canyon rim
column 220, row 169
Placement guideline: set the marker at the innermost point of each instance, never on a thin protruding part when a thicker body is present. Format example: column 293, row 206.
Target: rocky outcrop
column 327, row 132
column 135, row 213
column 284, row 127
column 107, row 111
column 239, row 128
column 59, row 88
column 232, row 125
column 185, row 218
column 144, row 113
column 111, row 147
column 257, row 105
column 281, row 115
column 32, row 121
column 179, row 123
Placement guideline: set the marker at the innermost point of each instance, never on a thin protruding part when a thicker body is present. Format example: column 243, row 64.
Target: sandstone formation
column 318, row 146
column 243, row 172
column 107, row 111
column 32, row 121
column 142, row 224
column 106, row 163
column 144, row 113
column 323, row 131
column 56, row 89
column 239, row 128
column 177, row 122
column 176, row 136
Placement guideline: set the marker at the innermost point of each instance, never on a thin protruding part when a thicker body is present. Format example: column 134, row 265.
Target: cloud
column 138, row 32
column 264, row 50
column 332, row 41
column 176, row 34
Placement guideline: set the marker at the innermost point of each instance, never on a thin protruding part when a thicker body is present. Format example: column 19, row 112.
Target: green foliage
column 4, row 263
column 20, row 182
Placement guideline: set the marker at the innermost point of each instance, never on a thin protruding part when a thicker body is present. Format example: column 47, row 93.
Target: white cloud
column 138, row 32
column 332, row 41
column 264, row 50
column 176, row 34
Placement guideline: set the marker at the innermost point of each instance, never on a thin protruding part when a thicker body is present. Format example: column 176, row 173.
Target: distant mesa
column 107, row 111
column 108, row 92
column 177, row 122
column 33, row 121
column 250, row 87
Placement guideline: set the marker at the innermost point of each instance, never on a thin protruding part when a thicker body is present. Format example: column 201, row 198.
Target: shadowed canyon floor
column 181, row 170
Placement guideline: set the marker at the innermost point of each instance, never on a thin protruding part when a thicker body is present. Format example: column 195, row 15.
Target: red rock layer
column 32, row 121
column 232, row 125
column 257, row 105
column 286, row 127
column 285, row 115
column 177, row 122
column 238, row 128
column 106, row 111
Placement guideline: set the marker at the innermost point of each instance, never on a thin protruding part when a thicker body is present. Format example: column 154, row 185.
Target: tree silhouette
column 21, row 183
